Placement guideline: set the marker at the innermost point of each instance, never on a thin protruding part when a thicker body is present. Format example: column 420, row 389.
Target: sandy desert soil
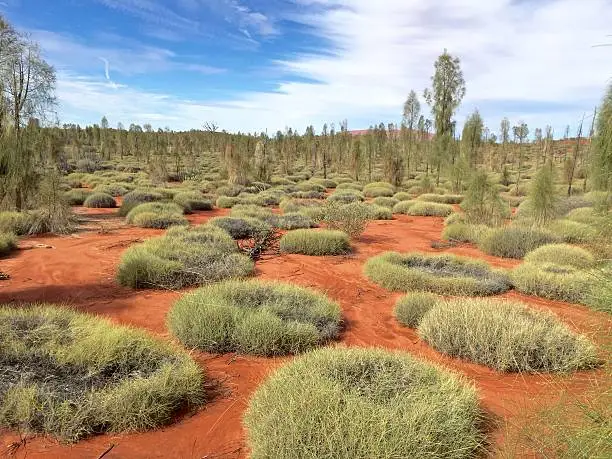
column 78, row 271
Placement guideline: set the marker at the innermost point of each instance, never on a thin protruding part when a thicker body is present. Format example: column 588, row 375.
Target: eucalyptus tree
column 504, row 134
column 471, row 138
column 602, row 146
column 410, row 119
column 444, row 97
column 521, row 131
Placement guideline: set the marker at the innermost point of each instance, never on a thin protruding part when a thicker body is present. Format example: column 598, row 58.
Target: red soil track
column 79, row 271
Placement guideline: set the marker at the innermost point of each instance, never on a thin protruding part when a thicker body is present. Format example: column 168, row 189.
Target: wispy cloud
column 535, row 57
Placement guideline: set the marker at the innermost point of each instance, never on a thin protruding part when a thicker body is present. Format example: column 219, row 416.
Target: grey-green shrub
column 403, row 196
column 100, row 201
column 226, row 202
column 291, row 221
column 183, row 257
column 77, row 197
column 315, row 242
column 254, row 317
column 72, row 375
column 380, row 212
column 442, row 274
column 572, row 232
column 410, row 309
column 441, row 198
column 347, row 403
column 553, row 281
column 515, row 241
column 113, row 189
column 505, row 336
column 350, row 218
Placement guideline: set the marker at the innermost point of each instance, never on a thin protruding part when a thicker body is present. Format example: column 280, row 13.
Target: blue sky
column 269, row 64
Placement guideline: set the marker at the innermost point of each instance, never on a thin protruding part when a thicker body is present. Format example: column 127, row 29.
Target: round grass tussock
column 291, row 221
column 410, row 309
column 251, row 211
column 429, row 209
column 403, row 207
column 403, row 196
column 385, row 201
column 72, row 375
column 137, row 197
column 441, row 198
column 442, row 274
column 572, row 232
column 315, row 242
column 192, row 201
column 159, row 208
column 505, row 336
column 227, row 202
column 380, row 212
column 378, row 191
column 112, row 189
column 515, row 241
column 241, row 228
column 463, row 232
column 8, row 243
column 347, row 403
column 14, row 222
column 553, row 281
column 562, row 254
column 183, row 257
column 158, row 220
column 77, row 197
column 100, row 201
column 254, row 317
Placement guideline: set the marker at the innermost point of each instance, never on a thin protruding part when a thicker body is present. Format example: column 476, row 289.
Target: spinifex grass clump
column 441, row 274
column 363, row 403
column 441, row 198
column 505, row 336
column 136, row 197
column 464, row 232
column 192, row 201
column 315, row 242
column 241, row 228
column 254, row 317
column 160, row 215
column 515, row 241
column 98, row 200
column 8, row 243
column 428, row 209
column 182, row 257
column 410, row 309
column 72, row 375
column 562, row 254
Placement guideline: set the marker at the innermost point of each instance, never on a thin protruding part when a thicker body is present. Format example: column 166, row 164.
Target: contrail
column 106, row 67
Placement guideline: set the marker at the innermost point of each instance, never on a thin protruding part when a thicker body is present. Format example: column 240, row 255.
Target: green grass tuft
column 515, row 241
column 410, row 309
column 506, row 336
column 100, row 201
column 254, row 317
column 363, row 403
column 441, row 274
column 315, row 242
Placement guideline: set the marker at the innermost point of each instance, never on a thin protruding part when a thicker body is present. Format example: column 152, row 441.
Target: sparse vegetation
column 99, row 201
column 515, row 241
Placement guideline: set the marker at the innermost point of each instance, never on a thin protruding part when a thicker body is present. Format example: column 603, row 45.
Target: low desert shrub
column 562, row 254
column 183, row 257
column 572, row 232
column 378, row 191
column 71, row 375
column 553, row 281
column 241, row 228
column 482, row 204
column 112, row 189
column 327, row 183
column 77, row 197
column 350, row 218
column 442, row 274
column 315, row 242
column 463, row 232
column 291, row 221
column 137, row 197
column 384, row 201
column 380, row 212
column 429, row 209
column 410, row 309
column 347, row 403
column 159, row 215
column 345, row 196
column 8, row 243
column 441, row 198
column 349, row 186
column 515, row 241
column 192, row 201
column 100, row 201
column 254, row 317
column 505, row 336
column 310, row 186
column 403, row 207
column 14, row 222
column 226, row 202
column 403, row 196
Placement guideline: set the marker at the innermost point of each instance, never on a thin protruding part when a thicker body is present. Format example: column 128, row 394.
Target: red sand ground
column 79, row 271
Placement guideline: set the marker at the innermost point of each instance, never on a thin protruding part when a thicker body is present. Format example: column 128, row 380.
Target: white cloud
column 530, row 60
